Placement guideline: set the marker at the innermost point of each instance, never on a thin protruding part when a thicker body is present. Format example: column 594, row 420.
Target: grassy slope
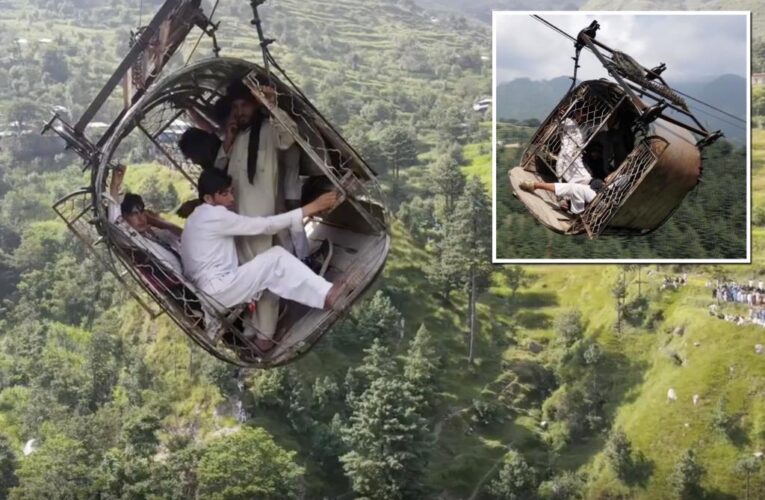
column 464, row 451
column 724, row 365
column 478, row 160
column 758, row 169
column 637, row 401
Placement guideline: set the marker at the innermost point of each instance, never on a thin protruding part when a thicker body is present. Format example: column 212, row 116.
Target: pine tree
column 448, row 180
column 422, row 363
column 447, row 271
column 8, row 466
column 388, row 439
column 619, row 453
column 379, row 317
column 686, row 477
column 747, row 466
column 568, row 327
column 325, row 390
column 516, row 278
column 472, row 220
column 722, row 421
column 619, row 292
column 516, row 479
column 398, row 146
column 377, row 363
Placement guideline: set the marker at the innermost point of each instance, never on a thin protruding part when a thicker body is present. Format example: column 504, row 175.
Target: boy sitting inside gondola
column 156, row 244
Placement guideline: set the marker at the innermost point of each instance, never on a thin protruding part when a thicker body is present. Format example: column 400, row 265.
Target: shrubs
column 568, row 327
column 686, row 477
column 516, row 479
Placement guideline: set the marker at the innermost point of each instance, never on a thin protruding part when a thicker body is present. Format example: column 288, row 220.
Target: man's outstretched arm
column 160, row 223
column 228, row 223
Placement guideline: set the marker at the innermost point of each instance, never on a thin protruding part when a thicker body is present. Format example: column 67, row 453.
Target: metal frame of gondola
column 587, row 38
column 636, row 82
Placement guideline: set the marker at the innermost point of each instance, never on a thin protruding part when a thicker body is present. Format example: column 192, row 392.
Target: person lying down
column 152, row 234
column 575, row 197
column 209, row 253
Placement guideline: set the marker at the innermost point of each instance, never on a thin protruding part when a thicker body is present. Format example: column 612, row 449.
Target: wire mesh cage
column 589, row 107
column 609, row 200
column 649, row 168
column 360, row 224
column 77, row 211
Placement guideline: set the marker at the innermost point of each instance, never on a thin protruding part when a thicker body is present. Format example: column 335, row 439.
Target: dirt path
column 486, row 476
column 440, row 424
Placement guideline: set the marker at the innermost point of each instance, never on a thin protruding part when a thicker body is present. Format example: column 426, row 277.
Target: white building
column 482, row 105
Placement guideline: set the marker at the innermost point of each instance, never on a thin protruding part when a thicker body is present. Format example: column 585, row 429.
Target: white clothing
column 292, row 186
column 156, row 241
column 277, row 271
column 210, row 259
column 259, row 199
column 291, row 183
column 578, row 195
column 570, row 167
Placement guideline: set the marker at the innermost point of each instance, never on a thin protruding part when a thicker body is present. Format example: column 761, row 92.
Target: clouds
column 695, row 47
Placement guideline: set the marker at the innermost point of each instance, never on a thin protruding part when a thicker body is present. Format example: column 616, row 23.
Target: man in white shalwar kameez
column 256, row 187
column 569, row 167
column 578, row 196
column 210, row 258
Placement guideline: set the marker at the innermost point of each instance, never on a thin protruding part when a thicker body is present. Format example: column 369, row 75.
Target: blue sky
column 695, row 47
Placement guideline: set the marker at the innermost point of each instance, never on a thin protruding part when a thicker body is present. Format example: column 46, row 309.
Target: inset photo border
column 621, row 137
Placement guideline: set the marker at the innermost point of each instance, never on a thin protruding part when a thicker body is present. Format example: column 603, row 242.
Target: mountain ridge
column 523, row 99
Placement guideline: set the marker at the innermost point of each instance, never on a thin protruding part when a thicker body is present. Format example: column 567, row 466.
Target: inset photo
column 621, row 137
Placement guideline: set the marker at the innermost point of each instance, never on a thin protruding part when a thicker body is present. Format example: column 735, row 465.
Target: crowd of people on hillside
column 751, row 294
column 742, row 294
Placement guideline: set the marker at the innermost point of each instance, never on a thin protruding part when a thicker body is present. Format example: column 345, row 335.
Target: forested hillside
column 562, row 395
column 482, row 9
column 710, row 223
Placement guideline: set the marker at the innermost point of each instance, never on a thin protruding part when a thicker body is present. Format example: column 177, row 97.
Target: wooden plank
column 541, row 204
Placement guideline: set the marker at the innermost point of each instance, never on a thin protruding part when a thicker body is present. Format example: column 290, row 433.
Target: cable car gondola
column 156, row 109
column 653, row 140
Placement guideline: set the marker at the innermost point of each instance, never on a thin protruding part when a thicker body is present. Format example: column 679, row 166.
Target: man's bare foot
column 264, row 345
column 344, row 283
column 527, row 186
column 334, row 294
